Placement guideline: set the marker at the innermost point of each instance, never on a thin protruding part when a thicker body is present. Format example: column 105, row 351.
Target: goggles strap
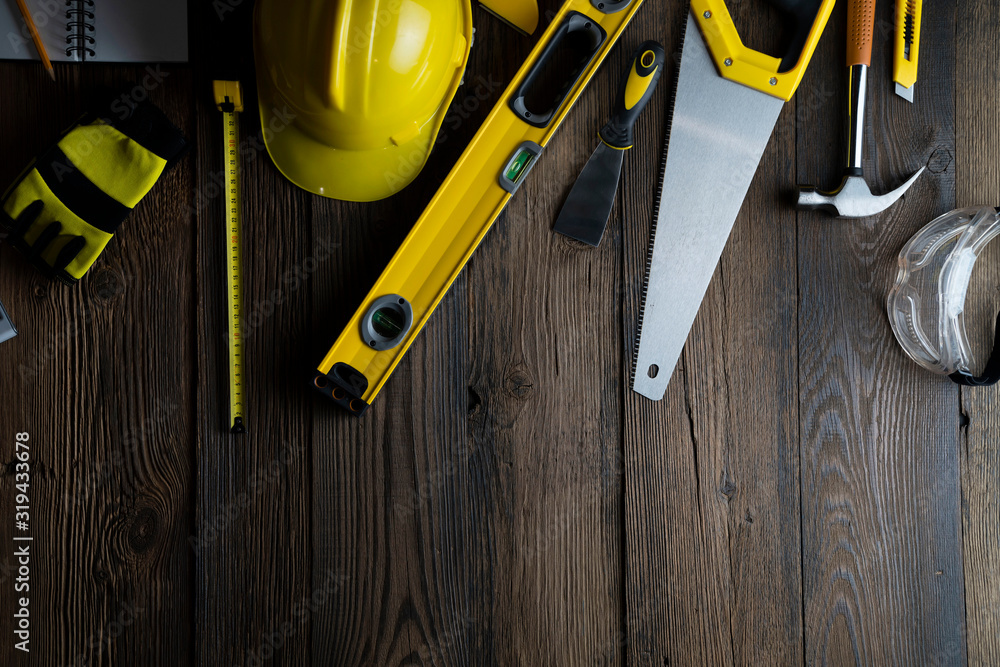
column 991, row 375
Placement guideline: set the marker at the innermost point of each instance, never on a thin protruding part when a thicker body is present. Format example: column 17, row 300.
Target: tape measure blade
column 234, row 278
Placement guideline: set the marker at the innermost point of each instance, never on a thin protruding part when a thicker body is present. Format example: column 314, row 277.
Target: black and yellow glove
column 68, row 203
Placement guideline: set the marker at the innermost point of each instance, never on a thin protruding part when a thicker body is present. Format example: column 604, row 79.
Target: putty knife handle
column 635, row 92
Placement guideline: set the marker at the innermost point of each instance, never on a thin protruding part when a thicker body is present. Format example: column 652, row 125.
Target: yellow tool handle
column 636, row 92
column 776, row 77
column 907, row 43
column 860, row 30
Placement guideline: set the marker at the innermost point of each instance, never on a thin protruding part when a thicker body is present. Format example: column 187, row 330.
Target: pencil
column 36, row 38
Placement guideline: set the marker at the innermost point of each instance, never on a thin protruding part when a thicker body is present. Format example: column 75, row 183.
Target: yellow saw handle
column 778, row 77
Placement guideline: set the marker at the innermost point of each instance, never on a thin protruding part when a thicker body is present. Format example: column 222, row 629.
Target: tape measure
column 229, row 100
column 493, row 167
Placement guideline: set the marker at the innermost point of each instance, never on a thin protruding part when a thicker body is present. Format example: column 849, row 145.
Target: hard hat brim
column 337, row 173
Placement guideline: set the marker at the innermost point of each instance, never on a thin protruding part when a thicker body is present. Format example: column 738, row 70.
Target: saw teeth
column 657, row 202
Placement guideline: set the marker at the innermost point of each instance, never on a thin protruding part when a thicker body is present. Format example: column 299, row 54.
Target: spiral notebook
column 108, row 31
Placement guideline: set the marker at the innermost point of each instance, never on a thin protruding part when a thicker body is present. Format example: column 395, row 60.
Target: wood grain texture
column 804, row 494
column 713, row 469
column 978, row 176
column 394, row 514
column 106, row 395
column 483, row 522
column 253, row 537
column 881, row 531
column 546, row 367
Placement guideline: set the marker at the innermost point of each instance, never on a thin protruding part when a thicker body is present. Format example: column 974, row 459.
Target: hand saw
column 727, row 102
column 476, row 191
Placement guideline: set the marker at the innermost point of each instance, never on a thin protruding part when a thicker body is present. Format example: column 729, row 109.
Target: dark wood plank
column 391, row 515
column 253, row 542
column 977, row 174
column 474, row 512
column 101, row 378
column 712, row 508
column 882, row 561
column 546, row 367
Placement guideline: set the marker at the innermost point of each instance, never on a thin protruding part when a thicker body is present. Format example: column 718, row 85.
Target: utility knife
column 907, row 50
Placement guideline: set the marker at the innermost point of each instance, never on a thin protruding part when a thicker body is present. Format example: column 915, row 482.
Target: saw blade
column 717, row 135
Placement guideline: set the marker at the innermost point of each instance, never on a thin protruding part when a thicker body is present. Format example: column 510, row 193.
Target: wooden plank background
column 804, row 494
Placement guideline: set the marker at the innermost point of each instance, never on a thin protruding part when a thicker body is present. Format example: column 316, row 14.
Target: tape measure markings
column 229, row 99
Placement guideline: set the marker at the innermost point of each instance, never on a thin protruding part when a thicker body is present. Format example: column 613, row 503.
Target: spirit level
column 229, row 100
column 491, row 169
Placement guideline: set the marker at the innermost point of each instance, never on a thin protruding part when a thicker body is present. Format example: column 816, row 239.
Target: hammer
column 854, row 199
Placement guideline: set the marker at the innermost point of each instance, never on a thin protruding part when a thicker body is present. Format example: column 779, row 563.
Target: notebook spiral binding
column 80, row 28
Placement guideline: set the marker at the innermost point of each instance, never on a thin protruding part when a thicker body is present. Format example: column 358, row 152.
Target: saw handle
column 633, row 95
column 760, row 71
column 860, row 29
column 801, row 15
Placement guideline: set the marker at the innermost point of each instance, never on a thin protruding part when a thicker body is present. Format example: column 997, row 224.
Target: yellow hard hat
column 352, row 93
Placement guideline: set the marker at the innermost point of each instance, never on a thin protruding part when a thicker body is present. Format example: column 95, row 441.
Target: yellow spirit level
column 476, row 191
column 229, row 100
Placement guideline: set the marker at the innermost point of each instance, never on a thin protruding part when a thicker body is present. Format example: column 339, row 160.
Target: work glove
column 68, row 203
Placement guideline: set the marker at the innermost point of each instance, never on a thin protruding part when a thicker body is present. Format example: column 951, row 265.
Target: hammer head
column 853, row 199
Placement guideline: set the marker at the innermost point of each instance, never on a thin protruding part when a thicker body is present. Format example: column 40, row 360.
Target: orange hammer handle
column 860, row 29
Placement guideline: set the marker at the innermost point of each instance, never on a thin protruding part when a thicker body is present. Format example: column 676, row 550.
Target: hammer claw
column 853, row 199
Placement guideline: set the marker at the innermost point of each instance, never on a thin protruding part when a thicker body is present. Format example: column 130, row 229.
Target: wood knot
column 101, row 576
column 571, row 244
column 475, row 401
column 519, row 384
column 726, row 485
column 106, row 284
column 143, row 528
column 939, row 161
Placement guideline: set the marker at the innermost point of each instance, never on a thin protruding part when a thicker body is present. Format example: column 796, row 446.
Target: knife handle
column 633, row 95
column 907, row 47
